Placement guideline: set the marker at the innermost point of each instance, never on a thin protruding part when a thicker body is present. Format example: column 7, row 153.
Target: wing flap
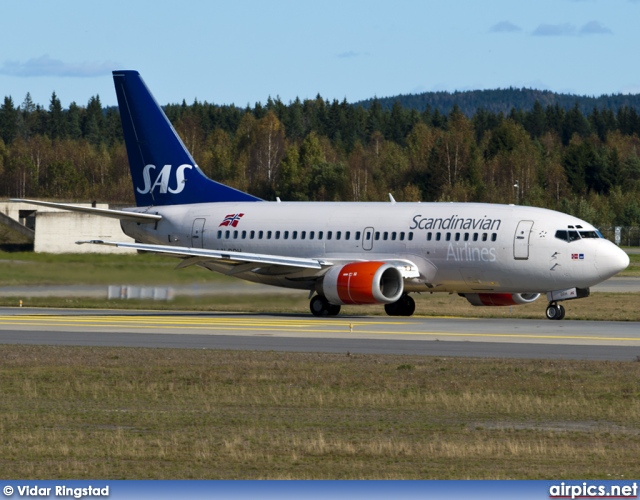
column 197, row 255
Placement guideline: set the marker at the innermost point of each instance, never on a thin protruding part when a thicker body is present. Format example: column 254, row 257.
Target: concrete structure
column 56, row 231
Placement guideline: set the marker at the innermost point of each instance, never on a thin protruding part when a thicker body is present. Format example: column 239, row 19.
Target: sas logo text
column 162, row 179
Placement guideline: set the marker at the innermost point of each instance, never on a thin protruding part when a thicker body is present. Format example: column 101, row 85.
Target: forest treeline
column 503, row 100
column 586, row 164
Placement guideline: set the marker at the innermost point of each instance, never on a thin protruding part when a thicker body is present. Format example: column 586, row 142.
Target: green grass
column 146, row 269
column 28, row 268
column 80, row 412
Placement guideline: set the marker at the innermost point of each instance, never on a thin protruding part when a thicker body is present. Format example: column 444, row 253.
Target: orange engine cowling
column 500, row 299
column 362, row 283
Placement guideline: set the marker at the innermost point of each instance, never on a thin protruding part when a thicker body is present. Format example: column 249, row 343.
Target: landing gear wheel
column 555, row 311
column 391, row 309
column 320, row 306
column 333, row 310
column 404, row 306
column 408, row 306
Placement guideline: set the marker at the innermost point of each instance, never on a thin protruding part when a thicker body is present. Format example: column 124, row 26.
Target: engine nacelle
column 500, row 299
column 362, row 283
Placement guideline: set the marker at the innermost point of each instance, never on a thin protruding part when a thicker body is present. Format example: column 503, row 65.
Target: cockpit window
column 571, row 235
column 567, row 235
column 590, row 234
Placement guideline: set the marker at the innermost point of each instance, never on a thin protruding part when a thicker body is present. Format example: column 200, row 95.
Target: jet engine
column 362, row 283
column 500, row 299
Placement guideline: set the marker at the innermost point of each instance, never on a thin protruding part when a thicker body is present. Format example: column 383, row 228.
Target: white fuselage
column 457, row 247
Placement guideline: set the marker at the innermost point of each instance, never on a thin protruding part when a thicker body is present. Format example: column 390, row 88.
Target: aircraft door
column 197, row 233
column 367, row 238
column 521, row 240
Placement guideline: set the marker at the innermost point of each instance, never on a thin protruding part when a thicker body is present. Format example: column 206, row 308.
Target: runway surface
column 503, row 338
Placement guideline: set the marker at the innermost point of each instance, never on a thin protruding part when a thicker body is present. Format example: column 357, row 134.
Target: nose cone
column 610, row 260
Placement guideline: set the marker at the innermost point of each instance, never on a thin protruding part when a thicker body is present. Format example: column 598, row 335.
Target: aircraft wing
column 143, row 218
column 197, row 255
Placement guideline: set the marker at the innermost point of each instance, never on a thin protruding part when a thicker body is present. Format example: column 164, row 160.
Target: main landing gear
column 555, row 311
column 404, row 306
column 320, row 307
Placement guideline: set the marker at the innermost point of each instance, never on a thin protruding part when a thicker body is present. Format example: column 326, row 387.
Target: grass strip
column 117, row 413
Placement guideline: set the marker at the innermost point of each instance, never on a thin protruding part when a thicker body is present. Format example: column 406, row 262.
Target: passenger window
column 277, row 235
column 303, row 235
column 410, row 236
column 484, row 236
column 457, row 236
column 437, row 236
column 329, row 234
column 244, row 235
column 494, row 237
column 466, row 236
column 260, row 234
column 219, row 235
column 448, row 236
column 475, row 236
column 347, row 235
column 377, row 235
column 286, row 235
column 402, row 236
column 268, row 235
column 312, row 234
column 319, row 235
column 252, row 234
column 358, row 236
column 294, row 235
column 385, row 236
column 338, row 234
column 428, row 236
column 393, row 236
column 227, row 233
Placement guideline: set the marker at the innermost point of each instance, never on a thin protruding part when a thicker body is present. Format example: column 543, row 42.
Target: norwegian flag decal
column 231, row 220
column 577, row 256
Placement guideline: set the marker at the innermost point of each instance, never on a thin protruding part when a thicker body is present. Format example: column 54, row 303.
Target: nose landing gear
column 555, row 311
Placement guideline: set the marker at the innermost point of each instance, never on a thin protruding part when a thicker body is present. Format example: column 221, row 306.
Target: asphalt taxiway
column 502, row 338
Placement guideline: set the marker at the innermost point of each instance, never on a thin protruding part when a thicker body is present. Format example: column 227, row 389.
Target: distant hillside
column 503, row 100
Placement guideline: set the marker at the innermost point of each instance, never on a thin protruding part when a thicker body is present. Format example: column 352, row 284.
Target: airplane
column 346, row 252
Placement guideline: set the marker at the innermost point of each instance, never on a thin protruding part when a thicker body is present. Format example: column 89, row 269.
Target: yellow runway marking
column 283, row 325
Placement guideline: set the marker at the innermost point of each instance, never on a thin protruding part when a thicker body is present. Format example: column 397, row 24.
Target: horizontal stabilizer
column 102, row 212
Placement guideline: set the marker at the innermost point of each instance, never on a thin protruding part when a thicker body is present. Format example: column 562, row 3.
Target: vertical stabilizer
column 162, row 169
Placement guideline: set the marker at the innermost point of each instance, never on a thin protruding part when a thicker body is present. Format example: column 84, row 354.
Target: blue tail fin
column 162, row 169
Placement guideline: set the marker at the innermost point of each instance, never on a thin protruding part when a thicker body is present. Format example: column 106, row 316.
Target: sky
column 244, row 51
